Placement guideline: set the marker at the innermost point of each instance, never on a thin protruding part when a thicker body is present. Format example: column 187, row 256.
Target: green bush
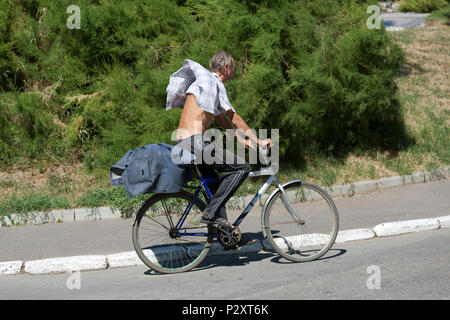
column 440, row 15
column 422, row 6
column 29, row 129
column 310, row 68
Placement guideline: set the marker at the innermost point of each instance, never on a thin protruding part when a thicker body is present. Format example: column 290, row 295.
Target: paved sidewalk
column 398, row 20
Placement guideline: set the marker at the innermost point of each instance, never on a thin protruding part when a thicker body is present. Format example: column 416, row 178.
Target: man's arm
column 244, row 129
column 225, row 124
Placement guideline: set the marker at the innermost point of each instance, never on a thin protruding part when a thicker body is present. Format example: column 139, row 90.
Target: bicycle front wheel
column 163, row 240
column 311, row 231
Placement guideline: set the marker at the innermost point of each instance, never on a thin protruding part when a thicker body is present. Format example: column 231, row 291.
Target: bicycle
column 178, row 242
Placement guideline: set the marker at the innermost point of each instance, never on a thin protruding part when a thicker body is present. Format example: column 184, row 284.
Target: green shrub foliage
column 423, row 6
column 310, row 68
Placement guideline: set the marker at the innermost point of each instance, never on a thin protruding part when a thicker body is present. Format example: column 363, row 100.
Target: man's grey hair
column 220, row 59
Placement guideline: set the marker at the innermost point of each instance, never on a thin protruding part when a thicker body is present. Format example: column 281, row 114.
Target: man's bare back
column 194, row 120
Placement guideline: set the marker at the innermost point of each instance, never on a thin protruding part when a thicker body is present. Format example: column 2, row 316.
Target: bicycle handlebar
column 263, row 151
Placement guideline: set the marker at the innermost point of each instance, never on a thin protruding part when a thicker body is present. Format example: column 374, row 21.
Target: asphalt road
column 413, row 266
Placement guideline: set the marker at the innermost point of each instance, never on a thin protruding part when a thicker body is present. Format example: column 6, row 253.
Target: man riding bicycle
column 203, row 97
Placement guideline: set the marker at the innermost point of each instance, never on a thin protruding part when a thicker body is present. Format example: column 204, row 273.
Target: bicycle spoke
column 169, row 219
column 311, row 236
column 159, row 245
column 158, row 223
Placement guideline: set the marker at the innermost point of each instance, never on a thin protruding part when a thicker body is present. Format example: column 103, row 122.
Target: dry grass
column 428, row 60
column 73, row 177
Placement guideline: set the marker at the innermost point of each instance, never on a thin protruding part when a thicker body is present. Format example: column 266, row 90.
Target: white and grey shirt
column 206, row 86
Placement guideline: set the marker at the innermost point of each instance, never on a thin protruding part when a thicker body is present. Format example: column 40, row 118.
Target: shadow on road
column 237, row 258
column 228, row 260
column 330, row 254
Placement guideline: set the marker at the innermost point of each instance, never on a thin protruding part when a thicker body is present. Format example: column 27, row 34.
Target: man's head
column 222, row 63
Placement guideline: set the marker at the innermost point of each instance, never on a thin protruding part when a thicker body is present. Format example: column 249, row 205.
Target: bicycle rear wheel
column 312, row 233
column 160, row 244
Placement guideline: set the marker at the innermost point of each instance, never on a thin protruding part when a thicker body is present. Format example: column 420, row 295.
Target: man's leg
column 208, row 172
column 234, row 171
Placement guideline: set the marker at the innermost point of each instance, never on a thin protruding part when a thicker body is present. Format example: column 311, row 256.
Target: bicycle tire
column 169, row 253
column 290, row 238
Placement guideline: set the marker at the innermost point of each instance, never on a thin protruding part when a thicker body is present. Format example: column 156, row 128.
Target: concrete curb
column 10, row 267
column 66, row 264
column 61, row 215
column 402, row 227
column 130, row 258
column 444, row 221
column 354, row 234
column 346, row 190
column 123, row 259
column 394, row 29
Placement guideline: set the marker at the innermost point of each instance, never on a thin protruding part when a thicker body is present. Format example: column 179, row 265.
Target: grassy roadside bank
column 424, row 93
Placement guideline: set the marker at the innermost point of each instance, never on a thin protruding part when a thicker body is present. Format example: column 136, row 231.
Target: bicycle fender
column 263, row 210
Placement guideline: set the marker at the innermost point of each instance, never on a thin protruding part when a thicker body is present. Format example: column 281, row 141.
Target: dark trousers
column 234, row 170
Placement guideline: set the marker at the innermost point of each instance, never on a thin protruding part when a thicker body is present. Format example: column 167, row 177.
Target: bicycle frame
column 257, row 196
